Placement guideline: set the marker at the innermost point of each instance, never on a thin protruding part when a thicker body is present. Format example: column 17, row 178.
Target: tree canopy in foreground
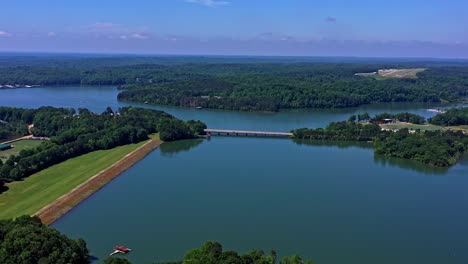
column 213, row 253
column 27, row 240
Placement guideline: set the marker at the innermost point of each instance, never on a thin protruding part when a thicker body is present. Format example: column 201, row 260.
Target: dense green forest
column 250, row 85
column 453, row 117
column 27, row 240
column 435, row 148
column 274, row 87
column 76, row 133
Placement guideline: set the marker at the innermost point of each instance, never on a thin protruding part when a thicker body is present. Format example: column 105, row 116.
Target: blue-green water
column 333, row 202
column 98, row 98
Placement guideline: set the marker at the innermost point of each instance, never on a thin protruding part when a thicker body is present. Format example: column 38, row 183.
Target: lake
column 333, row 202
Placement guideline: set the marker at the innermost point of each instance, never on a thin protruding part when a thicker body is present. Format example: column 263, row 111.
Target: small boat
column 120, row 249
column 199, row 107
column 146, row 102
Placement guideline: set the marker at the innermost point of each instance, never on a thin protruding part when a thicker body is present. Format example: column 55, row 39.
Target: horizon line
column 223, row 55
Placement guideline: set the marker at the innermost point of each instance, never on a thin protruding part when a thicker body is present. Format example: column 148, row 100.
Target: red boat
column 122, row 248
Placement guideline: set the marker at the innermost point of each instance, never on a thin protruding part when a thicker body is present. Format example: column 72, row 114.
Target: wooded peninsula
column 441, row 148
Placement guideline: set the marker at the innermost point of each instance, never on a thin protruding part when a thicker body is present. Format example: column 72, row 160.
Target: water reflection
column 379, row 159
column 331, row 143
column 170, row 149
column 409, row 165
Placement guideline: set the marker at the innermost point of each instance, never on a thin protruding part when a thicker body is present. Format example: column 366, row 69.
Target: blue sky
column 410, row 28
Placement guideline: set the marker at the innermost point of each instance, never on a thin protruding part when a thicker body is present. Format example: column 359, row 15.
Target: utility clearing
column 393, row 73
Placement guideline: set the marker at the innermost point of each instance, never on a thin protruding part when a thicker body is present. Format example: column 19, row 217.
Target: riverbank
column 65, row 203
column 46, row 187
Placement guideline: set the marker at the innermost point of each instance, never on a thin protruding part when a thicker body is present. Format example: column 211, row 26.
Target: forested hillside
column 251, row 86
column 75, row 133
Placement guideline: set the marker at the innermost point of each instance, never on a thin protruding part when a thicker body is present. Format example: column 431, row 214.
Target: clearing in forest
column 393, row 73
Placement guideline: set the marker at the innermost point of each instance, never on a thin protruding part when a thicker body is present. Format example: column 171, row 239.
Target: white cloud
column 139, row 36
column 117, row 31
column 208, row 3
column 134, row 36
column 4, row 34
column 51, row 34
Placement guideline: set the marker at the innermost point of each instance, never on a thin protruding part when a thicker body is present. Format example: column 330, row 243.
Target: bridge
column 234, row 132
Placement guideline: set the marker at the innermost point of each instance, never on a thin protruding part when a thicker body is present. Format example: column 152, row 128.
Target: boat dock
column 233, row 132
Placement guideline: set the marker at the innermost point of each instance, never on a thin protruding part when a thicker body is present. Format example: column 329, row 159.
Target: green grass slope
column 39, row 190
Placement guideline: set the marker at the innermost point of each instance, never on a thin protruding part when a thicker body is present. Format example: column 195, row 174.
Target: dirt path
column 18, row 139
column 65, row 203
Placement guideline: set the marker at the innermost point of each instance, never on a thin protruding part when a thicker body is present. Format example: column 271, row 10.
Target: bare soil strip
column 65, row 203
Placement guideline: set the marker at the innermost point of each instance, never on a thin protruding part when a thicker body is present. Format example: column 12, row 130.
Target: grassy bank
column 18, row 146
column 43, row 188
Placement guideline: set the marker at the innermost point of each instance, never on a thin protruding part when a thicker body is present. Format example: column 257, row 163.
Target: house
column 388, row 121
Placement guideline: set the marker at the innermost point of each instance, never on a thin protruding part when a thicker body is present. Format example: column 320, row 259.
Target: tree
column 352, row 119
column 295, row 259
column 363, row 117
column 170, row 130
column 109, row 111
column 27, row 240
column 209, row 253
column 453, row 117
column 212, row 253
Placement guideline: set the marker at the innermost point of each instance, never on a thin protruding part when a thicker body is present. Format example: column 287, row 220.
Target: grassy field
column 40, row 189
column 428, row 127
column 17, row 147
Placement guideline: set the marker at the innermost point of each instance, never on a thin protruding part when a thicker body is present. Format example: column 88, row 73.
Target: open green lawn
column 40, row 189
column 412, row 126
column 17, row 147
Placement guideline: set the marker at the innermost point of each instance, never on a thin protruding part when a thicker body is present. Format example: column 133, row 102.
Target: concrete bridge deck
column 234, row 132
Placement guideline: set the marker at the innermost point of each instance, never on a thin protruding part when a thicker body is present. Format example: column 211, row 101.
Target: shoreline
column 62, row 205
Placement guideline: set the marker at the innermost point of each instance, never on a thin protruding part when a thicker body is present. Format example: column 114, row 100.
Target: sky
column 358, row 28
